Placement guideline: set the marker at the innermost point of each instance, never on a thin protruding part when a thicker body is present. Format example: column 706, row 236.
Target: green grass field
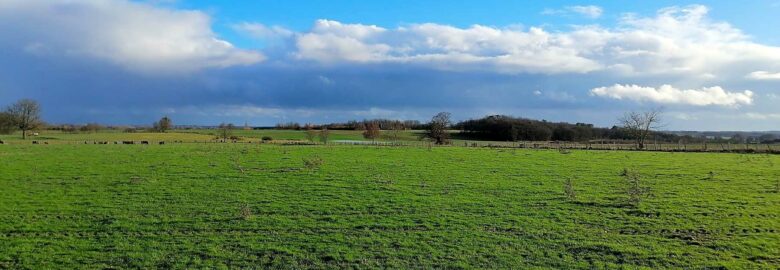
column 191, row 136
column 259, row 206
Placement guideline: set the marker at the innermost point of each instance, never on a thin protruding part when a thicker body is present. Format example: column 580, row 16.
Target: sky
column 711, row 65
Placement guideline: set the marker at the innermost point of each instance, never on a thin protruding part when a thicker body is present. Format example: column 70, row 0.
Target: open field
column 190, row 136
column 408, row 138
column 259, row 205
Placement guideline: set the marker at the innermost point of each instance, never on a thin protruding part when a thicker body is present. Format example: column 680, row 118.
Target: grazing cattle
column 34, row 142
column 161, row 143
column 2, row 142
column 144, row 142
column 45, row 142
column 128, row 142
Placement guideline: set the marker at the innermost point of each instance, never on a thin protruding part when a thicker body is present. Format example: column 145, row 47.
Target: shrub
column 313, row 163
column 245, row 212
column 267, row 138
column 568, row 189
column 634, row 189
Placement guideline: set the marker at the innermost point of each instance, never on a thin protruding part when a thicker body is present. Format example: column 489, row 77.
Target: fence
column 615, row 146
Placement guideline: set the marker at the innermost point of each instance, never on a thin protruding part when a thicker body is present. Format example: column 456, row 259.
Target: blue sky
column 756, row 17
column 710, row 65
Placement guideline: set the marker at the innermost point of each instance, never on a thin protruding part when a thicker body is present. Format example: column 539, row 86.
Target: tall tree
column 310, row 133
column 26, row 115
column 163, row 125
column 639, row 125
column 395, row 130
column 372, row 131
column 437, row 128
column 324, row 135
column 226, row 130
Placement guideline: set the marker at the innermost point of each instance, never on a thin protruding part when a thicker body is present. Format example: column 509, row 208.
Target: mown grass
column 253, row 205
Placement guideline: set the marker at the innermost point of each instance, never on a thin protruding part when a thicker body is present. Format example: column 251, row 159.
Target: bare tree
column 26, row 115
column 324, row 135
column 437, row 128
column 226, row 130
column 395, row 131
column 91, row 127
column 163, row 125
column 639, row 125
column 372, row 131
column 311, row 134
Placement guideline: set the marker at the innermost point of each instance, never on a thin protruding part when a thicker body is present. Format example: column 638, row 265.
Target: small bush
column 564, row 151
column 634, row 189
column 313, row 163
column 568, row 189
column 245, row 212
column 267, row 138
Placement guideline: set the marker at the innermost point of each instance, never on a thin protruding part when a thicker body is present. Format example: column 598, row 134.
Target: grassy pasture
column 252, row 205
column 105, row 135
column 191, row 135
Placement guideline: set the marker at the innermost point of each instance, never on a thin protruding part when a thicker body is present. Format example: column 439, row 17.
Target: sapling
column 635, row 191
column 568, row 189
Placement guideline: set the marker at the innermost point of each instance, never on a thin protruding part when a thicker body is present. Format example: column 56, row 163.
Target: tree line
column 638, row 127
column 382, row 124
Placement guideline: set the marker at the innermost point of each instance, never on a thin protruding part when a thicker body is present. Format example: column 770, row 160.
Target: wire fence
column 613, row 145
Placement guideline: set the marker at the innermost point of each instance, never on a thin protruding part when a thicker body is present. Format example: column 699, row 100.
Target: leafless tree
column 372, row 131
column 395, row 131
column 311, row 134
column 437, row 128
column 91, row 127
column 26, row 115
column 639, row 125
column 163, row 125
column 324, row 135
column 226, row 130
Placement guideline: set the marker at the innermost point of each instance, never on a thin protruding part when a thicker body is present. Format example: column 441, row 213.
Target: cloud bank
column 666, row 94
column 134, row 35
column 678, row 41
column 764, row 75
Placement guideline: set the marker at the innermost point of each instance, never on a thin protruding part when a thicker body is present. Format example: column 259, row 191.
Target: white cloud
column 762, row 116
column 588, row 11
column 666, row 94
column 678, row 41
column 763, row 75
column 261, row 31
column 137, row 36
